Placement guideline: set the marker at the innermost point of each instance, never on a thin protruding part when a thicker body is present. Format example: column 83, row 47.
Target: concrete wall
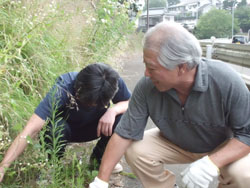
column 237, row 55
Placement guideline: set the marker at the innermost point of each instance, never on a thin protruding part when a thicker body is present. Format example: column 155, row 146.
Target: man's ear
column 182, row 69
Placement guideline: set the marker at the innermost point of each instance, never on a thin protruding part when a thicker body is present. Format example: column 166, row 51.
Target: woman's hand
column 105, row 125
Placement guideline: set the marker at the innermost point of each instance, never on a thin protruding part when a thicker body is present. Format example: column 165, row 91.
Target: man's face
column 162, row 78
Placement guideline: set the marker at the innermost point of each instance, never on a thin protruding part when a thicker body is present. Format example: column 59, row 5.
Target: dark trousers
column 64, row 133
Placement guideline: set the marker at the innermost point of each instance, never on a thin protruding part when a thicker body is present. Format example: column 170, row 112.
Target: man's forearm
column 113, row 153
column 229, row 153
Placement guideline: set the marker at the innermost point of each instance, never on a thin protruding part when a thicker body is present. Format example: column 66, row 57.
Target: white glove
column 98, row 183
column 199, row 174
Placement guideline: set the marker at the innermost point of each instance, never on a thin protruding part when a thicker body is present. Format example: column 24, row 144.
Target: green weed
column 39, row 40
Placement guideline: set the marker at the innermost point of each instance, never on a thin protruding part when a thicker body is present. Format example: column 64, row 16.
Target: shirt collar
column 201, row 78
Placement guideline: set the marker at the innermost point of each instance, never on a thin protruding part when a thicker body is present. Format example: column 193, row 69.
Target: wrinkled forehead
column 150, row 57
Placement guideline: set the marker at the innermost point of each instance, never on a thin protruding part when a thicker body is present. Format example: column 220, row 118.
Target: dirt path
column 131, row 72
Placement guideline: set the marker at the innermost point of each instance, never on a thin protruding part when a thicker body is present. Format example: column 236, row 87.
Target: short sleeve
column 57, row 97
column 134, row 120
column 239, row 110
column 123, row 93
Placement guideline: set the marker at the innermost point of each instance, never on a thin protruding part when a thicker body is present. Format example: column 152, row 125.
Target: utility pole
column 147, row 15
column 233, row 18
column 234, row 3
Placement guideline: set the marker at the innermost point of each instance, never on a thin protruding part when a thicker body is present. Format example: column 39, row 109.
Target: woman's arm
column 105, row 125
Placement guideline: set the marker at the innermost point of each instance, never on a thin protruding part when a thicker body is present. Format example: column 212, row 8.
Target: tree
column 243, row 16
column 228, row 4
column 243, row 3
column 216, row 23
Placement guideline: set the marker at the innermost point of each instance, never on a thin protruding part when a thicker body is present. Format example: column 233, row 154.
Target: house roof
column 203, row 6
column 184, row 3
column 154, row 11
column 187, row 2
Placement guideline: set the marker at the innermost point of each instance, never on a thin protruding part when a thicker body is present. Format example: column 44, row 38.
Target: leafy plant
column 107, row 29
column 243, row 16
column 216, row 23
column 40, row 40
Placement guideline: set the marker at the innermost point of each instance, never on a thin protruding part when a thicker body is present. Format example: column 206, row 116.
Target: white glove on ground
column 199, row 174
column 98, row 183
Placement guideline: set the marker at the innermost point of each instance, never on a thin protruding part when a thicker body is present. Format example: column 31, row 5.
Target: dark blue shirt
column 60, row 102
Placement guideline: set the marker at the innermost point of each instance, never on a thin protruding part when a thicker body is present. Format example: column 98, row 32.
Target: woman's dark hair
column 96, row 84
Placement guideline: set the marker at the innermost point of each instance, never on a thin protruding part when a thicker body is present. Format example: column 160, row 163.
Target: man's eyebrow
column 149, row 64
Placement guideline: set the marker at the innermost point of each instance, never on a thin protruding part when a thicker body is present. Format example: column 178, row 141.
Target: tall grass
column 108, row 29
column 31, row 56
column 39, row 40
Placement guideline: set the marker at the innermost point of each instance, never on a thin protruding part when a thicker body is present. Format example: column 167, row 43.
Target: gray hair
column 173, row 44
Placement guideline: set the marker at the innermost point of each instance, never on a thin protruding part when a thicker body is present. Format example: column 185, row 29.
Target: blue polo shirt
column 216, row 109
column 60, row 102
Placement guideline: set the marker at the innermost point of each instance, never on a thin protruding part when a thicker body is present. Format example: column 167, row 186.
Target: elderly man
column 200, row 108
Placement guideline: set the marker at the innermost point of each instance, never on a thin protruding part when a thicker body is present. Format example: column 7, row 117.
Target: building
column 140, row 4
column 187, row 13
column 156, row 15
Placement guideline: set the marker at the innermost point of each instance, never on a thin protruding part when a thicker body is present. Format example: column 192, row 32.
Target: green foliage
column 130, row 175
column 72, row 171
column 31, row 56
column 55, row 129
column 228, row 4
column 216, row 23
column 106, row 30
column 36, row 45
column 243, row 3
column 243, row 16
column 45, row 168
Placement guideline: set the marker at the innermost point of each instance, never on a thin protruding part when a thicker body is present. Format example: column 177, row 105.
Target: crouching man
column 201, row 110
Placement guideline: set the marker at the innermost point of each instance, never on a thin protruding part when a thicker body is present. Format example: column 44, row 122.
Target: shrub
column 40, row 40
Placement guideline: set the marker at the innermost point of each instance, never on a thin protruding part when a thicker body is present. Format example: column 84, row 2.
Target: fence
column 236, row 54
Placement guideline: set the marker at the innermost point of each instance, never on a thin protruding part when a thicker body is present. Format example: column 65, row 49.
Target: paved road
column 133, row 70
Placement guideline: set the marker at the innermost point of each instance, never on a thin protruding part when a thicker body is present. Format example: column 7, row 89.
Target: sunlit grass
column 39, row 40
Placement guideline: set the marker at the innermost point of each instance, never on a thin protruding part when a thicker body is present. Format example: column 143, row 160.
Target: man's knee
column 134, row 151
column 144, row 151
column 241, row 168
column 239, row 171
